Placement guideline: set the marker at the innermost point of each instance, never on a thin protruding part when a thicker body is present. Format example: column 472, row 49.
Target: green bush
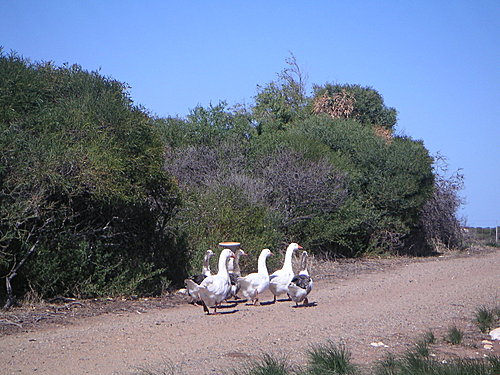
column 389, row 182
column 81, row 183
column 330, row 359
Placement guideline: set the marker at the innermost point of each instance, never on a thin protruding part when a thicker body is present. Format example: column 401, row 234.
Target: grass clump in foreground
column 267, row 365
column 335, row 359
column 326, row 359
column 330, row 359
column 417, row 361
column 454, row 336
column 486, row 318
column 429, row 337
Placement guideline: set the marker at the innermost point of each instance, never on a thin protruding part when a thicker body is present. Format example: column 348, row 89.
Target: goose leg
column 256, row 301
column 306, row 302
column 205, row 308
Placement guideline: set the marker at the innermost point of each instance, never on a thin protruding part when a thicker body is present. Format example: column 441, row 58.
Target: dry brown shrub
column 340, row 105
column 382, row 132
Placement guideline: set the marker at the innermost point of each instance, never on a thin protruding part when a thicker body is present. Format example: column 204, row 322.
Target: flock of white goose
column 211, row 290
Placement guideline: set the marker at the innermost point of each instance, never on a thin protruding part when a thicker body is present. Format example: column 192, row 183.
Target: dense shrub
column 389, row 182
column 334, row 185
column 81, row 183
column 288, row 183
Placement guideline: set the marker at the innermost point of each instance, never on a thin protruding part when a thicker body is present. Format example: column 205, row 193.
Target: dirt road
column 393, row 305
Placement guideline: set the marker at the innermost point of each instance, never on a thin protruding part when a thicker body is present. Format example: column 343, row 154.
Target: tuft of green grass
column 422, row 349
column 454, row 336
column 429, row 337
column 412, row 363
column 467, row 367
column 495, row 364
column 485, row 318
column 330, row 359
column 388, row 366
column 267, row 364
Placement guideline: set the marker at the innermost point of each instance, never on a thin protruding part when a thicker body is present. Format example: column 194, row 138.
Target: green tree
column 282, row 101
column 207, row 126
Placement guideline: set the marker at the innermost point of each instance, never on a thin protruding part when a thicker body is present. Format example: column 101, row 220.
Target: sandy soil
column 391, row 301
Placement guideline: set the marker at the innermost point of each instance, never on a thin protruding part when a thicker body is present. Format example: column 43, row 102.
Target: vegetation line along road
column 100, row 198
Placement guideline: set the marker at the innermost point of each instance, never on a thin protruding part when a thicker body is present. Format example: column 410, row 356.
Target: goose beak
column 300, row 247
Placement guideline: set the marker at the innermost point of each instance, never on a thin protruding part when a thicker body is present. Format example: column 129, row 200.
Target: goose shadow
column 250, row 303
column 228, row 305
column 272, row 302
column 310, row 304
column 235, row 301
column 224, row 312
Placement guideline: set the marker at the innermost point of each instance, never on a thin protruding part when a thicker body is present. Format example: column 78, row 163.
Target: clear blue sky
column 436, row 62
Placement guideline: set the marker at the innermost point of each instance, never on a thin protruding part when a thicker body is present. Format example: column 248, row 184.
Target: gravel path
column 394, row 305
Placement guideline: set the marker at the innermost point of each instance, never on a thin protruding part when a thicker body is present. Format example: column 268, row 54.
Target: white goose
column 301, row 284
column 280, row 279
column 256, row 283
column 193, row 290
column 233, row 267
column 214, row 289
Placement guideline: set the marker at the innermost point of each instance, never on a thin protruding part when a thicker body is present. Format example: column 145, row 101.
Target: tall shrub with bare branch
column 438, row 218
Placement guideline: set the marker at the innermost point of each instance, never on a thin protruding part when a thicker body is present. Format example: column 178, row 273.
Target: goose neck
column 287, row 265
column 261, row 265
column 223, row 265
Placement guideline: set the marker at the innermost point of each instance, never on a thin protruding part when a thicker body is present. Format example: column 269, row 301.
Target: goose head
column 239, row 253
column 294, row 246
column 265, row 253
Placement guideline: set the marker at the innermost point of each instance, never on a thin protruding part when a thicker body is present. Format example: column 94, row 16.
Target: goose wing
column 214, row 289
column 301, row 281
column 192, row 288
